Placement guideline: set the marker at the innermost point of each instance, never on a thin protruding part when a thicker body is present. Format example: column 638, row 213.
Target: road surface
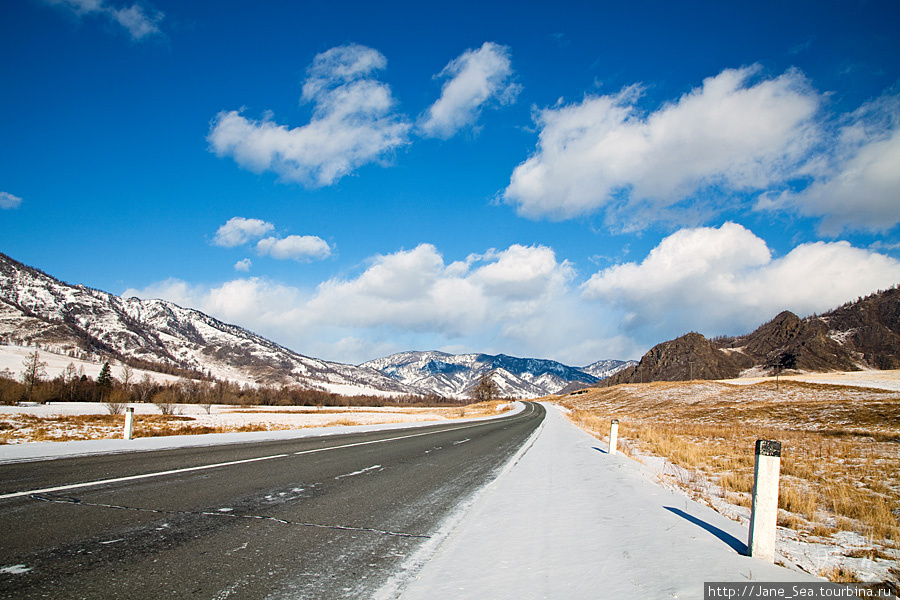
column 326, row 517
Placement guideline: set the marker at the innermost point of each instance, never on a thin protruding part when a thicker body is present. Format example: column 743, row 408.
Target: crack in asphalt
column 76, row 501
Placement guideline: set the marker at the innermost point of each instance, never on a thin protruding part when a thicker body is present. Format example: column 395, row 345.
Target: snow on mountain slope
column 80, row 322
column 455, row 375
column 36, row 308
column 607, row 368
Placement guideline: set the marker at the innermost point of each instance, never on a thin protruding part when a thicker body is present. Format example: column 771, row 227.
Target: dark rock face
column 857, row 335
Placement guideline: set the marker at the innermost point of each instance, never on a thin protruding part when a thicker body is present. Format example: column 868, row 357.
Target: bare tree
column 116, row 402
column 127, row 376
column 144, row 388
column 34, row 373
column 69, row 379
column 166, row 400
column 486, row 390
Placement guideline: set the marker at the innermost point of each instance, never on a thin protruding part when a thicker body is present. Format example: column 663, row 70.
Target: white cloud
column 518, row 298
column 297, row 247
column 139, row 20
column 243, row 265
column 353, row 124
column 525, row 301
column 8, row 201
column 238, row 231
column 734, row 133
column 858, row 186
column 474, row 79
column 725, row 281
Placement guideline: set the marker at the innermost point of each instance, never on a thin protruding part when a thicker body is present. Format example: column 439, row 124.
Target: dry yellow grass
column 20, row 428
column 841, row 462
column 30, row 428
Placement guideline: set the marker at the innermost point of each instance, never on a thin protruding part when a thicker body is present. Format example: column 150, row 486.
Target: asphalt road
column 328, row 517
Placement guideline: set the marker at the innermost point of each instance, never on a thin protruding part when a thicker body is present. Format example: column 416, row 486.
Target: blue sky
column 575, row 181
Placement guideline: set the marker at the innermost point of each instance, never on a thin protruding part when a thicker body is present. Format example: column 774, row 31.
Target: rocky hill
column 864, row 334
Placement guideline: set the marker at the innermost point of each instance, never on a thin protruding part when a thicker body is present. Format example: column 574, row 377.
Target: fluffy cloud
column 415, row 290
column 734, row 133
column 520, row 297
column 473, row 80
column 353, row 124
column 858, row 183
column 238, row 231
column 7, row 201
column 524, row 300
column 297, row 247
column 243, row 265
column 726, row 281
column 140, row 22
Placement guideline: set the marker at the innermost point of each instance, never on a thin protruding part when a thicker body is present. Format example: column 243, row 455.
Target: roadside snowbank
column 51, row 450
column 571, row 521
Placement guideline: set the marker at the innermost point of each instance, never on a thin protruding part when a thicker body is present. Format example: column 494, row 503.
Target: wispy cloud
column 353, row 124
column 735, row 133
column 856, row 182
column 141, row 21
column 474, row 80
column 8, row 201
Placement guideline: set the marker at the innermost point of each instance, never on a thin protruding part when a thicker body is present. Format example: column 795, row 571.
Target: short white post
column 129, row 423
column 613, row 435
column 764, row 511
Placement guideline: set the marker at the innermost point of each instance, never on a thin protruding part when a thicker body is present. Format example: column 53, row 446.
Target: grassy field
column 840, row 469
column 57, row 423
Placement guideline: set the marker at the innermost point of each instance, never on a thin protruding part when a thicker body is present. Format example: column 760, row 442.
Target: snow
column 882, row 380
column 12, row 357
column 568, row 520
column 50, row 450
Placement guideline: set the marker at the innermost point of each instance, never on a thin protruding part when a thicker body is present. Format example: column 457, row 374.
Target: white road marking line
column 62, row 488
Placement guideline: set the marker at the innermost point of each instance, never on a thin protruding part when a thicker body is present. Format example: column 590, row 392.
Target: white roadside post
column 129, row 423
column 613, row 435
column 764, row 511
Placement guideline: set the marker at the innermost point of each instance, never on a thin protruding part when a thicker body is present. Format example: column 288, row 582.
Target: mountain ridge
column 36, row 308
column 864, row 334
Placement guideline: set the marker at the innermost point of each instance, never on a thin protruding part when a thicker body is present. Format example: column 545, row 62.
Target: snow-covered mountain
column 454, row 375
column 36, row 308
column 607, row 368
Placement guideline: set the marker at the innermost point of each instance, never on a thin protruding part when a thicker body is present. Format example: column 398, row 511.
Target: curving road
column 326, row 517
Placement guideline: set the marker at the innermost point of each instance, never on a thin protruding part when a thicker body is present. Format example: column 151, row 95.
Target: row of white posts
column 764, row 510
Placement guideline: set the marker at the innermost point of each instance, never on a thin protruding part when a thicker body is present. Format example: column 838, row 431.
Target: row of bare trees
column 117, row 389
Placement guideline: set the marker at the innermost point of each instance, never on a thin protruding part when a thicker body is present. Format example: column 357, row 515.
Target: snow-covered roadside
column 844, row 552
column 569, row 520
column 882, row 380
column 51, row 450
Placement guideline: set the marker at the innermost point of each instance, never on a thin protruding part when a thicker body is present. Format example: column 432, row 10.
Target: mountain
column 454, row 375
column 36, row 308
column 607, row 368
column 864, row 334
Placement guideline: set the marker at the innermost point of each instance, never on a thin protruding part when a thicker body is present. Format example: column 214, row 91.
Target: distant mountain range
column 455, row 375
column 37, row 309
column 864, row 334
